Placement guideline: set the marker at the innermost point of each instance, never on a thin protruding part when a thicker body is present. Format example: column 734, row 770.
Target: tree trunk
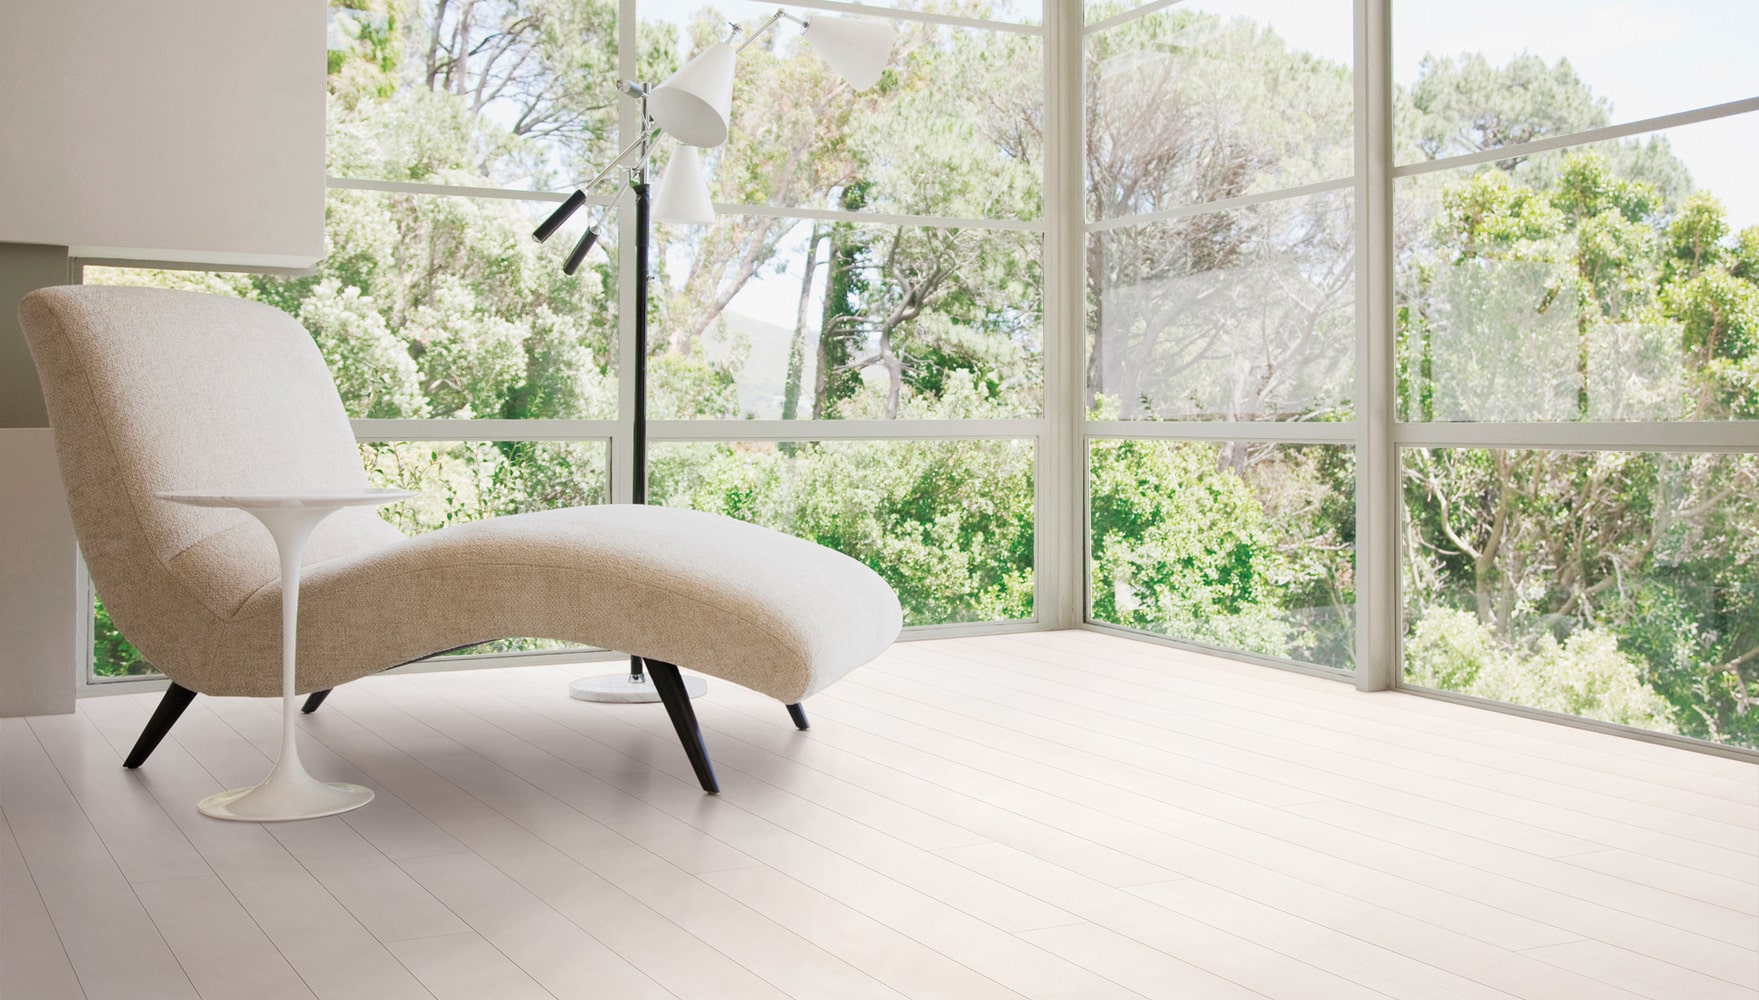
column 797, row 351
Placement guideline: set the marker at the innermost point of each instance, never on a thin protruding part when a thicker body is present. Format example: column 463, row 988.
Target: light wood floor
column 1055, row 815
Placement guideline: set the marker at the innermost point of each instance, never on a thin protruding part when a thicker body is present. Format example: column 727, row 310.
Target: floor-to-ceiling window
column 1220, row 278
column 1573, row 337
column 852, row 352
column 1529, row 390
column 1577, row 323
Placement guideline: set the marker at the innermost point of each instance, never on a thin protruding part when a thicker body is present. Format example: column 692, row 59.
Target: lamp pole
column 633, row 686
column 637, row 680
column 694, row 105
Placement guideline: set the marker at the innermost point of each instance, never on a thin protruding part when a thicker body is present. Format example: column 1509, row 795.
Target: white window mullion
column 1273, row 431
column 1692, row 436
column 1060, row 465
column 1378, row 627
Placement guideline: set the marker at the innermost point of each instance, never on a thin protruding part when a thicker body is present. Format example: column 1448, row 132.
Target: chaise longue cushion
column 764, row 610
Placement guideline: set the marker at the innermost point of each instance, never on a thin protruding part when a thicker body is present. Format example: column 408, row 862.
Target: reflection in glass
column 954, row 128
column 1241, row 545
column 1243, row 315
column 427, row 306
column 1499, row 343
column 949, row 524
column 495, row 93
column 1593, row 283
column 1619, row 586
column 1193, row 104
column 788, row 319
column 460, row 481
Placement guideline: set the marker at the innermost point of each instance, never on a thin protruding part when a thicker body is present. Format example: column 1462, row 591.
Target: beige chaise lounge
column 151, row 390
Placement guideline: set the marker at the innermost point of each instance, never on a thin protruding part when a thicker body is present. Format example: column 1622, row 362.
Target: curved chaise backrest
column 150, row 390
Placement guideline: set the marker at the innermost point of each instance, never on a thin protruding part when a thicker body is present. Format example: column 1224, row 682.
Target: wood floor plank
column 108, row 937
column 1559, row 893
column 890, row 957
column 33, row 962
column 1498, row 968
column 1645, row 898
column 1604, row 963
column 940, row 923
column 561, row 957
column 1347, row 952
column 1683, row 837
column 609, row 886
column 224, row 951
column 1136, row 966
column 390, row 904
column 1572, row 916
column 1237, row 959
column 1045, row 815
column 463, row 966
column 1028, row 716
column 336, row 956
column 1467, row 721
column 1001, row 746
column 1736, row 895
column 1177, row 837
column 786, row 825
column 1677, row 786
column 145, row 842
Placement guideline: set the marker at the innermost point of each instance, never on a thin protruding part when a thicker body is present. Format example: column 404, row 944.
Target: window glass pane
column 1593, row 283
column 797, row 319
column 1617, row 586
column 1241, row 545
column 463, row 481
column 494, row 93
column 114, row 657
column 1243, row 315
column 947, row 523
column 1477, row 76
column 1214, row 99
column 953, row 128
column 431, row 306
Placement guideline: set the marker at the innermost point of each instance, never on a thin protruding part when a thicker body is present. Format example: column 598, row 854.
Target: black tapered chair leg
column 315, row 699
column 177, row 698
column 798, row 714
column 677, row 701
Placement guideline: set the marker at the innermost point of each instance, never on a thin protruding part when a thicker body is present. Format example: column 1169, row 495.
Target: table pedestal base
column 285, row 795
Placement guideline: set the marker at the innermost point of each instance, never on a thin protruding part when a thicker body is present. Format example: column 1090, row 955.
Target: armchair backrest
column 149, row 390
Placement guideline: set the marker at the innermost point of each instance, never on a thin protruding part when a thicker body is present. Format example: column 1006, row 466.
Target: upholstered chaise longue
column 151, row 390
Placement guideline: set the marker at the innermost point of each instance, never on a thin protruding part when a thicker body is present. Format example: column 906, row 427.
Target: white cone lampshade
column 856, row 47
column 693, row 103
column 682, row 196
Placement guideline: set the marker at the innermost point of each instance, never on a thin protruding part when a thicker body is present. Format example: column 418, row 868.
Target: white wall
column 177, row 130
column 40, row 606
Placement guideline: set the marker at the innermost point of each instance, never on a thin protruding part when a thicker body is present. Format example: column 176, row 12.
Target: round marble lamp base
column 617, row 688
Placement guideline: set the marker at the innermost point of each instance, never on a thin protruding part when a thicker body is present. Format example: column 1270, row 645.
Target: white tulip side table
column 288, row 792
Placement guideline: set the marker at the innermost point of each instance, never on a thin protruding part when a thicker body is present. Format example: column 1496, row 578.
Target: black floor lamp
column 692, row 106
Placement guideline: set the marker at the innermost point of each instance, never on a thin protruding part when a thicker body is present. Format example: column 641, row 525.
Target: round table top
column 302, row 499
